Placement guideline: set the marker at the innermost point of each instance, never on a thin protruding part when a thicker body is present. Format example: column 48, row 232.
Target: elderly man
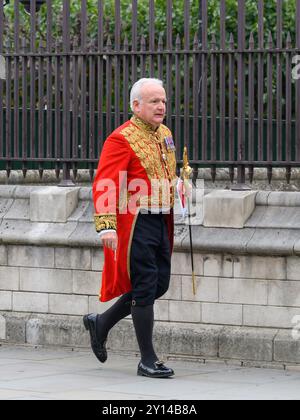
column 133, row 195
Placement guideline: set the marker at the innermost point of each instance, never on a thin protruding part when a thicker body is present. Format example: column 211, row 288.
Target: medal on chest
column 169, row 143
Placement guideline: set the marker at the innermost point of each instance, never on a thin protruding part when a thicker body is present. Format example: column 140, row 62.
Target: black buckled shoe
column 98, row 347
column 156, row 370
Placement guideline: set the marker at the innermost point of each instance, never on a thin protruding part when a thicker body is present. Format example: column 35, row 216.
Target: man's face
column 152, row 107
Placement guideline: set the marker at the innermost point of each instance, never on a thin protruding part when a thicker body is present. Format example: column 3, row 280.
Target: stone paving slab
column 34, row 373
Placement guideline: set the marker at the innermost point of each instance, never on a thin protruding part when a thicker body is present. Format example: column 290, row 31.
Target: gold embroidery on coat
column 105, row 221
column 149, row 146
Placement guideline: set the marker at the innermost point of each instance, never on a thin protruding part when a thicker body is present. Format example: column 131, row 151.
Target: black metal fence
column 233, row 102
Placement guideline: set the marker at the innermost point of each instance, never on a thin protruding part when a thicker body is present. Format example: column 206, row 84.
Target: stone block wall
column 54, row 280
column 243, row 308
column 250, row 291
column 246, row 307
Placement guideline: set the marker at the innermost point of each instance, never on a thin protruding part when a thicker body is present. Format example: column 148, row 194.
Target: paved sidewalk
column 49, row 374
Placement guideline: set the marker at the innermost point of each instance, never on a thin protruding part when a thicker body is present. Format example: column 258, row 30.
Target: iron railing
column 233, row 102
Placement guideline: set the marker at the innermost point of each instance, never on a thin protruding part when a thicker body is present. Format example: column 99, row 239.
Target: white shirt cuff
column 102, row 232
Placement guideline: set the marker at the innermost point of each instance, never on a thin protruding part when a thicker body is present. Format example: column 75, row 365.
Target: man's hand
column 110, row 240
column 187, row 189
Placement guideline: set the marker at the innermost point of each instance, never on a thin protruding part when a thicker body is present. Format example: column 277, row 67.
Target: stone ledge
column 53, row 204
column 263, row 198
column 278, row 198
column 260, row 178
column 285, row 199
column 253, row 346
column 275, row 217
column 228, row 209
column 247, row 241
column 271, row 230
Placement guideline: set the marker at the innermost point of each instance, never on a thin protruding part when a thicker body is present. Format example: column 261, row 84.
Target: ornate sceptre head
column 186, row 169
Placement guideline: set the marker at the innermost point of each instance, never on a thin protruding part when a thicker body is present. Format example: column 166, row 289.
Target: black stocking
column 143, row 321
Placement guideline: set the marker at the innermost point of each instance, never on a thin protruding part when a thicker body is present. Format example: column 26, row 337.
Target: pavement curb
column 245, row 345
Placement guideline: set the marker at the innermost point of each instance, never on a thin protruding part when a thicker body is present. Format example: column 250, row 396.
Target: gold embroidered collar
column 155, row 133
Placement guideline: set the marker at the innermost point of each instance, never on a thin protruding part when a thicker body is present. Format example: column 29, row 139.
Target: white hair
column 135, row 93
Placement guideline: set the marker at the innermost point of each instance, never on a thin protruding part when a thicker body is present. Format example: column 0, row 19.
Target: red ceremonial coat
column 132, row 157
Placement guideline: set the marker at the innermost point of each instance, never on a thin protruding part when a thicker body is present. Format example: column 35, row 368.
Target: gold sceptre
column 186, row 174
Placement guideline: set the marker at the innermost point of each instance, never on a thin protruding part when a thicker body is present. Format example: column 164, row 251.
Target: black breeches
column 150, row 259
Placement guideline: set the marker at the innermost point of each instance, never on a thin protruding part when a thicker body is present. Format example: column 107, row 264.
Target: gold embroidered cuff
column 105, row 221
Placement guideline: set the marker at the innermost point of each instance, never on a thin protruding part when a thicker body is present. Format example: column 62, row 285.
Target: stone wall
column 248, row 287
